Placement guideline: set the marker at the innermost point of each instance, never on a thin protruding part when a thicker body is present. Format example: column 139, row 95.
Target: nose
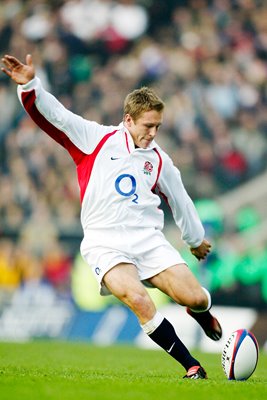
column 153, row 132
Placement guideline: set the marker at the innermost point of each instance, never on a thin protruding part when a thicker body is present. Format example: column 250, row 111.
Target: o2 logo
column 125, row 185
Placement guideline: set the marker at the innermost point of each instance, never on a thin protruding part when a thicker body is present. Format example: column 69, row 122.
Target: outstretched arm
column 48, row 113
column 17, row 71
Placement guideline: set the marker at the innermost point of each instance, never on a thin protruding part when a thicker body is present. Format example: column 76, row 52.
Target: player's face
column 144, row 128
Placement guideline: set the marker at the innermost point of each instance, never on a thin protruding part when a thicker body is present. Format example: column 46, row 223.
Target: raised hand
column 17, row 71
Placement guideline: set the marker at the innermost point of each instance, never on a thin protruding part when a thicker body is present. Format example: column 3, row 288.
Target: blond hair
column 140, row 101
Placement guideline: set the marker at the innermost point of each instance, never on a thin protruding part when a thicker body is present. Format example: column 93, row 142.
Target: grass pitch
column 79, row 371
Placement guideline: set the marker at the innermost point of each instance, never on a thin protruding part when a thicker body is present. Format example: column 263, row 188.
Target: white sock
column 150, row 326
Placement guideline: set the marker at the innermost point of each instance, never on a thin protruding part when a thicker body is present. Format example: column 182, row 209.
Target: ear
column 128, row 120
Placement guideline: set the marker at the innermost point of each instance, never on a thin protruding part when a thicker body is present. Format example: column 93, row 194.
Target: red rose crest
column 148, row 168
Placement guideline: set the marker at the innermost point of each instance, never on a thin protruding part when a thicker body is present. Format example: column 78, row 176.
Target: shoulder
column 162, row 153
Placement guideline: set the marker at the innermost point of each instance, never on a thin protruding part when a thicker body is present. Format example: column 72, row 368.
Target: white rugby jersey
column 119, row 184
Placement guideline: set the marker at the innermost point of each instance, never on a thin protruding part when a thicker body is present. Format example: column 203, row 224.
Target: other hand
column 17, row 71
column 202, row 250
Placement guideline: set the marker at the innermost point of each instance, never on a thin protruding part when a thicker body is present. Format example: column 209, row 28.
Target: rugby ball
column 240, row 355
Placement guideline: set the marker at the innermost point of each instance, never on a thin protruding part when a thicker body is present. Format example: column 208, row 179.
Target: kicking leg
column 123, row 282
column 180, row 284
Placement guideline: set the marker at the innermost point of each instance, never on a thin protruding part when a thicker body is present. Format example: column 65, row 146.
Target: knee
column 140, row 304
column 199, row 300
column 138, row 301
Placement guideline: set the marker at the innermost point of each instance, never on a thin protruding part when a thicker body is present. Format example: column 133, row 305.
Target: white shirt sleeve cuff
column 30, row 85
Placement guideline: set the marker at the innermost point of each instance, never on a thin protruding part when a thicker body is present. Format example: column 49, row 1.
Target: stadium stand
column 206, row 59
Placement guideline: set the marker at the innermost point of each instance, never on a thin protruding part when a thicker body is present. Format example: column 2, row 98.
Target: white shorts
column 147, row 249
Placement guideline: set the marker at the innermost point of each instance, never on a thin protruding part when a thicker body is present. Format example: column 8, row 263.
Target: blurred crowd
column 206, row 58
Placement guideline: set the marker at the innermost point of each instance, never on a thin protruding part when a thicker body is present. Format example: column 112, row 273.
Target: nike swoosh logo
column 170, row 349
column 114, row 158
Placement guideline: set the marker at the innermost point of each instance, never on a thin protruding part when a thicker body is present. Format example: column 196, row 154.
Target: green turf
column 79, row 371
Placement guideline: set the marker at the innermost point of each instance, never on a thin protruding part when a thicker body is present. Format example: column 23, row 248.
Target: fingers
column 202, row 251
column 29, row 60
column 199, row 258
column 196, row 254
column 10, row 61
column 5, row 62
column 6, row 71
column 206, row 243
column 7, row 65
